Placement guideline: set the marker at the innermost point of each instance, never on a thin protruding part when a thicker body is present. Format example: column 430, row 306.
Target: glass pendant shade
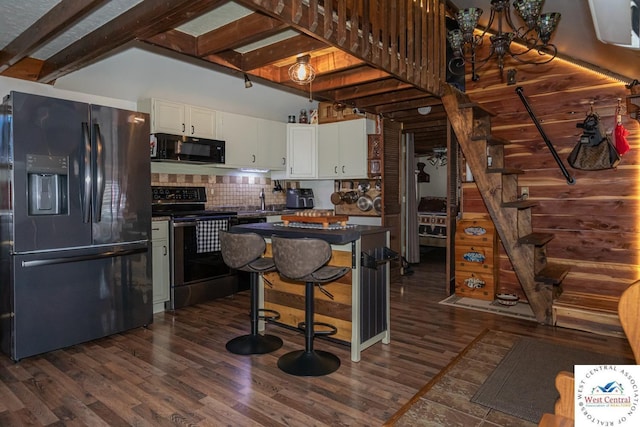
column 529, row 10
column 455, row 40
column 468, row 19
column 547, row 24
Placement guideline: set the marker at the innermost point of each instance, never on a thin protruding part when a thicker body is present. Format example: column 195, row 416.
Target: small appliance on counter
column 299, row 198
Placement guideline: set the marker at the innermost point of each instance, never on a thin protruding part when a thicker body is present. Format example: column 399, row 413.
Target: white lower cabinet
column 160, row 263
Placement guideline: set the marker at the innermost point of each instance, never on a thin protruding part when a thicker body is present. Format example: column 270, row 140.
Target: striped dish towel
column 207, row 234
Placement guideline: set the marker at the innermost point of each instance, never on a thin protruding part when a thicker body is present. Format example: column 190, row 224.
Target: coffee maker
column 299, row 198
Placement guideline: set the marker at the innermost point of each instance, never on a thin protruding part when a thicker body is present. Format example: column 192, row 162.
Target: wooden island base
column 360, row 305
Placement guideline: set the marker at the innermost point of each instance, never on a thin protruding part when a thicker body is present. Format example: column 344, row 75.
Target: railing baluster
column 356, row 16
column 313, row 15
column 296, row 11
column 328, row 19
column 342, row 22
column 393, row 36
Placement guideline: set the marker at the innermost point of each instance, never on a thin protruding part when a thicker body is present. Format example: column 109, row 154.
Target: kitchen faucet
column 262, row 205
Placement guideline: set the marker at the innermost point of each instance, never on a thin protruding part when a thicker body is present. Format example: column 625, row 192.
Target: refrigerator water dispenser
column 47, row 176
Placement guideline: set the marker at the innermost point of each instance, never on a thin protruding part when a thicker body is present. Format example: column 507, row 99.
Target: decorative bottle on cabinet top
column 303, row 116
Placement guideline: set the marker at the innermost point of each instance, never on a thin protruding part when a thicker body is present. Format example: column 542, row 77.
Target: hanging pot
column 350, row 196
column 336, row 198
column 365, row 203
column 377, row 204
column 364, row 186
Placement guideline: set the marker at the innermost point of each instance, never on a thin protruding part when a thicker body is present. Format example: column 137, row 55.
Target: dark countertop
column 335, row 237
column 259, row 213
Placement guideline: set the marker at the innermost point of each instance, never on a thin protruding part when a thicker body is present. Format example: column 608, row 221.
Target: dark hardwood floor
column 177, row 372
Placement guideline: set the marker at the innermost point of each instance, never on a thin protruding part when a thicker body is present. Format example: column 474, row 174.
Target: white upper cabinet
column 301, row 151
column 180, row 119
column 202, row 122
column 272, row 144
column 240, row 134
column 251, row 142
column 342, row 149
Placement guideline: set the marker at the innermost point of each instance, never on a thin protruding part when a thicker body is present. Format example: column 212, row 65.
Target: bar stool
column 244, row 251
column 304, row 260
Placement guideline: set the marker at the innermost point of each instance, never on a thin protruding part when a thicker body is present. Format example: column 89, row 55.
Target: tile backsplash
column 241, row 191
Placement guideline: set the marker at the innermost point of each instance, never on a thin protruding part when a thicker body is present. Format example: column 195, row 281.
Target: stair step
column 537, row 239
column 552, row 274
column 520, row 204
column 505, row 171
column 588, row 312
column 478, row 110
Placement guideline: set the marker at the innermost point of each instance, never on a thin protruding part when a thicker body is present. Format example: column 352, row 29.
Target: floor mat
column 520, row 310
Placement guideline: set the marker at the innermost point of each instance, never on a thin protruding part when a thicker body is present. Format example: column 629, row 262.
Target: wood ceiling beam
column 25, row 69
column 367, row 89
column 175, row 40
column 62, row 16
column 241, row 32
column 142, row 21
column 426, row 125
column 389, row 98
column 350, row 77
column 277, row 51
column 414, row 104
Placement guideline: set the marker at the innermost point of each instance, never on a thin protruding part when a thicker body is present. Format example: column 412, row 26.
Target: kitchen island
column 360, row 305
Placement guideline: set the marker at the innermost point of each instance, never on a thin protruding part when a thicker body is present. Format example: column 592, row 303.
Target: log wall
column 596, row 221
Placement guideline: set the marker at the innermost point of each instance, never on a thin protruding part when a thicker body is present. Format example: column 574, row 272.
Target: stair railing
column 570, row 180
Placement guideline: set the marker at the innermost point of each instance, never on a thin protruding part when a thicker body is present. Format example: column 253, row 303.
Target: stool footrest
column 331, row 331
column 268, row 315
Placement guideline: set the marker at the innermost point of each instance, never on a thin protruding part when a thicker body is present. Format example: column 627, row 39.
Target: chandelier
column 534, row 35
column 438, row 158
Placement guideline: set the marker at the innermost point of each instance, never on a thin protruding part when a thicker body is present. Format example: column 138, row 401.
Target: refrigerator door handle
column 86, row 187
column 98, row 170
column 79, row 258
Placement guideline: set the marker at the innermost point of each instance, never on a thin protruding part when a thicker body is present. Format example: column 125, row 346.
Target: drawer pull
column 475, row 231
column 474, row 283
column 474, row 257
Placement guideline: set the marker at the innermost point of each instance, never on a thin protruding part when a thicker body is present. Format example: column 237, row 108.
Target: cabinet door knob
column 183, row 128
column 164, row 250
column 254, row 158
column 342, row 168
column 284, row 161
column 335, row 170
column 193, row 129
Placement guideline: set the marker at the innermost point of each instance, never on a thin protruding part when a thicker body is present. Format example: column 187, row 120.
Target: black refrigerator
column 75, row 223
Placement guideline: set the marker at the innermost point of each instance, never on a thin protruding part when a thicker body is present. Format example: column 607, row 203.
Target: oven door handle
column 192, row 222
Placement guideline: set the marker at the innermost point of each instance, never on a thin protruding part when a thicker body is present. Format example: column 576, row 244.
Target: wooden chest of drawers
column 476, row 259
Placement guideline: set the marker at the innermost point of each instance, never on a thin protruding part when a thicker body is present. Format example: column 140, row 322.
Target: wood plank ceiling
column 243, row 45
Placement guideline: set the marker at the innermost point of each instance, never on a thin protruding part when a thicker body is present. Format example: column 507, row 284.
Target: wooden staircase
column 511, row 215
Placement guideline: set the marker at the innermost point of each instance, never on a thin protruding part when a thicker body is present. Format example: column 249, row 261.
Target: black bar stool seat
column 304, row 260
column 244, row 251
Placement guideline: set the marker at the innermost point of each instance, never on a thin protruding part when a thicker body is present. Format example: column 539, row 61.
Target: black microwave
column 166, row 147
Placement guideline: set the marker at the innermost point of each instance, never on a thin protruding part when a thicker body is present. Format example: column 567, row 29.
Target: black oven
column 198, row 272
